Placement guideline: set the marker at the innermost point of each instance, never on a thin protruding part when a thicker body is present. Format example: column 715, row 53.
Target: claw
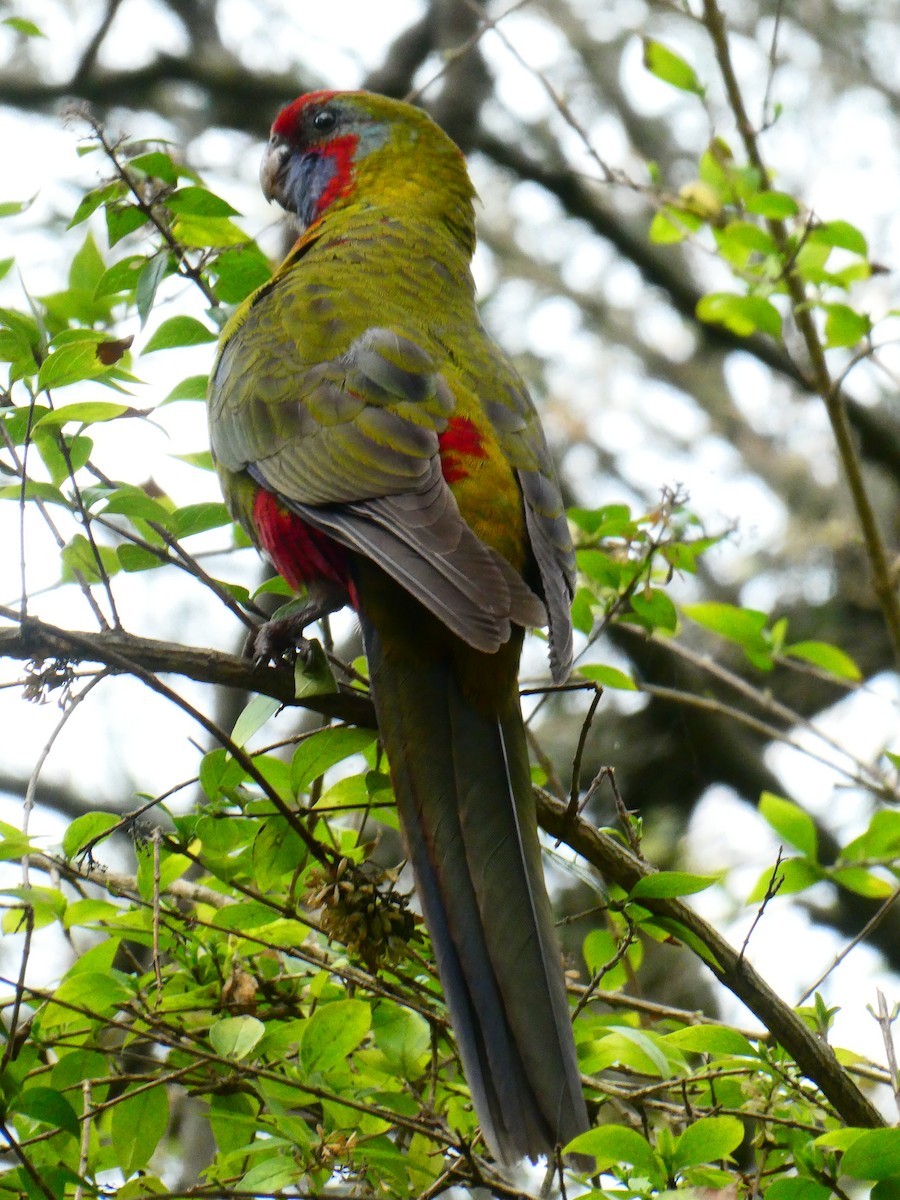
column 285, row 635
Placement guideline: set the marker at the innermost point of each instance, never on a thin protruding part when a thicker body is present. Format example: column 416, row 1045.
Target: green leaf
column 671, row 225
column 148, row 282
column 332, row 1032
column 664, row 884
column 13, row 842
column 92, row 200
column 798, row 1188
column 776, row 205
column 157, row 165
column 219, row 774
column 87, row 267
column 582, row 610
column 600, row 568
column 139, row 1121
column 606, row 676
column 741, row 625
column 199, row 202
column 742, row 238
column 79, row 557
column 277, row 850
column 873, row 1155
column 179, row 331
column 24, row 26
column 323, row 749
column 655, row 609
column 350, row 792
column 136, row 558
column 12, row 208
column 840, row 234
column 613, row 1145
column 236, row 1037
column 198, row 518
column 99, row 993
column 881, row 839
column 240, row 272
column 71, row 363
column 403, row 1037
column 743, row 315
column 131, row 501
column 88, row 912
column 121, row 276
column 49, row 1107
column 861, row 882
column 208, row 232
column 122, row 219
column 791, row 823
column 706, row 1140
column 87, row 412
column 249, row 915
column 270, row 1176
column 600, row 948
column 827, row 657
column 670, row 67
column 844, row 326
column 712, row 1039
column 141, row 1188
column 608, row 520
column 253, row 716
column 86, row 828
column 192, row 388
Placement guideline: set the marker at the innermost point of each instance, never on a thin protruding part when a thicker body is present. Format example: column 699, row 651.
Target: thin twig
column 873, row 922
column 885, row 1021
column 773, row 887
column 883, row 583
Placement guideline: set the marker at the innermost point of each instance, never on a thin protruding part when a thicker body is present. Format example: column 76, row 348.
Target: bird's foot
column 279, row 637
column 284, row 634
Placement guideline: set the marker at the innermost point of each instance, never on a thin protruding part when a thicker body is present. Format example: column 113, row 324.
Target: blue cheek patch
column 306, row 181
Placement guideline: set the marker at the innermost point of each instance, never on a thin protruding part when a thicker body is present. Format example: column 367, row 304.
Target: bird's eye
column 324, row 120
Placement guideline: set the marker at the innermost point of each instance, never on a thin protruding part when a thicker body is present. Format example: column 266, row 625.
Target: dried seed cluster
column 361, row 909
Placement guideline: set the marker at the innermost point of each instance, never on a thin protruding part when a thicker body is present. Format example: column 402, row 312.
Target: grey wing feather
column 516, row 423
column 421, row 540
column 551, row 545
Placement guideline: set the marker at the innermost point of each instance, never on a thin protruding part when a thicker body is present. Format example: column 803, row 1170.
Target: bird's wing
column 518, row 429
column 352, row 446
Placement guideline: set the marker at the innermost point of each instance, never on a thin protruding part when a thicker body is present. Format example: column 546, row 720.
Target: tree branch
column 36, row 641
column 813, row 1055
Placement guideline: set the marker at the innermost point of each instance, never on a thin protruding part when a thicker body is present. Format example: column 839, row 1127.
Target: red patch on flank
column 459, row 441
column 299, row 553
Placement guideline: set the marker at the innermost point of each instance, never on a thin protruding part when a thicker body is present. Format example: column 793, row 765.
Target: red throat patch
column 342, row 152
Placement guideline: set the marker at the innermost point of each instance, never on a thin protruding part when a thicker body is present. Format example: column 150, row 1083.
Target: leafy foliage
column 254, row 965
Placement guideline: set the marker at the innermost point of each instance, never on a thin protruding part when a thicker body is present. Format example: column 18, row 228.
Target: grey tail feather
column 467, row 811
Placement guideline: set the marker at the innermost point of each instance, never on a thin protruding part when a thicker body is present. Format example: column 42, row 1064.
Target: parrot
column 377, row 445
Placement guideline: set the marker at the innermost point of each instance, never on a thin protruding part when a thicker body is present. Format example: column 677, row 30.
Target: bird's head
column 333, row 148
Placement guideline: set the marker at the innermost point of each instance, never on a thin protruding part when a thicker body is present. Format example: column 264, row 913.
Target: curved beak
column 271, row 167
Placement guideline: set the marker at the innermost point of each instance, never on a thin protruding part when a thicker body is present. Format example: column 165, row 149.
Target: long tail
column 463, row 789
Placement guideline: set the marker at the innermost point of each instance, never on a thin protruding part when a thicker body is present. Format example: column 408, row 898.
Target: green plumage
column 379, row 446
